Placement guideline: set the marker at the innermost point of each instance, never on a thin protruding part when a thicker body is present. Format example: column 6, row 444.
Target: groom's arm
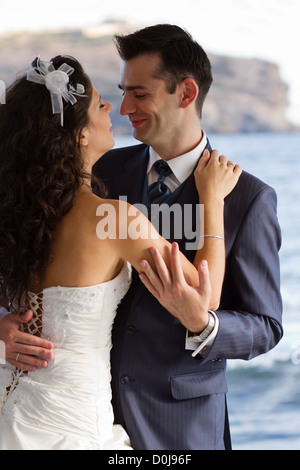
column 3, row 312
column 250, row 319
column 27, row 348
column 251, row 322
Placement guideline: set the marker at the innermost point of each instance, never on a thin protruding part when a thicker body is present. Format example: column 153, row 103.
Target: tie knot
column 162, row 168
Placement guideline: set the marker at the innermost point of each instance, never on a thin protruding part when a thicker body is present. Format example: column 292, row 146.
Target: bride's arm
column 215, row 179
column 142, row 250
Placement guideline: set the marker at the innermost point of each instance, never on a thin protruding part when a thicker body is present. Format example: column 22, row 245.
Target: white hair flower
column 57, row 82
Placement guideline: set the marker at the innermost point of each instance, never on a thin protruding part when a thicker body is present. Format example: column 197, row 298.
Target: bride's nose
column 109, row 106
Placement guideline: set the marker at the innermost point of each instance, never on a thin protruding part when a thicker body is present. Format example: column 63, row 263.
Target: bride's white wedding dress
column 66, row 406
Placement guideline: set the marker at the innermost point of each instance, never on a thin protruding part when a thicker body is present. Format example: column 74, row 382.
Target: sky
column 265, row 29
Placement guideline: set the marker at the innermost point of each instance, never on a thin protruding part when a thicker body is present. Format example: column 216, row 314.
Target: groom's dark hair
column 181, row 56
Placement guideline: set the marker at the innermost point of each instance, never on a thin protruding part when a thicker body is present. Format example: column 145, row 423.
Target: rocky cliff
column 246, row 95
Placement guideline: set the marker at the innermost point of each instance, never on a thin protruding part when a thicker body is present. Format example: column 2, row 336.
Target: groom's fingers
column 151, row 275
column 204, row 288
column 143, row 277
column 161, row 267
column 176, row 267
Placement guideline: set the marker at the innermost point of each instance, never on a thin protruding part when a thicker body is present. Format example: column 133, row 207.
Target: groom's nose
column 128, row 105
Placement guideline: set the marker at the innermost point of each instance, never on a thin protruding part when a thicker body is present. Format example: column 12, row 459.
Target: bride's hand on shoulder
column 215, row 176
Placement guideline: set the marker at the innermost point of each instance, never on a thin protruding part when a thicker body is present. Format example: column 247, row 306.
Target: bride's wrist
column 211, row 200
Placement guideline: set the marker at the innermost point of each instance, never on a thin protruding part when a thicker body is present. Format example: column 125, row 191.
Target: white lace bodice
column 72, row 396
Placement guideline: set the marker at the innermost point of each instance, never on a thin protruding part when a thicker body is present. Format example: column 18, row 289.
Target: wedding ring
column 17, row 357
column 230, row 163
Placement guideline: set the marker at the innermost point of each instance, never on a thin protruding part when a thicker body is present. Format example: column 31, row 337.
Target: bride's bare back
column 79, row 258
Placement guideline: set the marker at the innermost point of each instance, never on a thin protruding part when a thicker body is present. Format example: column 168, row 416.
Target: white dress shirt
column 182, row 166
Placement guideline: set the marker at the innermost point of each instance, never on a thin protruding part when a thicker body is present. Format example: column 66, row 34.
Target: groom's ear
column 188, row 92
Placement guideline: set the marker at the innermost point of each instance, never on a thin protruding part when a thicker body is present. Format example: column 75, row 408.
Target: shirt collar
column 183, row 165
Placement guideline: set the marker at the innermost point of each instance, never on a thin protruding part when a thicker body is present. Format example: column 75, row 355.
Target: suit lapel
column 131, row 181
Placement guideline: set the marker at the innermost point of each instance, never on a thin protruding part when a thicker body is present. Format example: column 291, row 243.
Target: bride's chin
column 109, row 147
column 112, row 144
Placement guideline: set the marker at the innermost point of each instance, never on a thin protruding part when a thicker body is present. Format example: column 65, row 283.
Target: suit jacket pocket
column 198, row 385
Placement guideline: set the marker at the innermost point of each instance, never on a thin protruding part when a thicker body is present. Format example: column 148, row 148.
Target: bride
column 53, row 128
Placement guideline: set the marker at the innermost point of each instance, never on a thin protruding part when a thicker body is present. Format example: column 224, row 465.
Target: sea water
column 264, row 393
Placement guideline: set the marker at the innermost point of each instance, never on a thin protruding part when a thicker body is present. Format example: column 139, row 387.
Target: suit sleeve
column 251, row 312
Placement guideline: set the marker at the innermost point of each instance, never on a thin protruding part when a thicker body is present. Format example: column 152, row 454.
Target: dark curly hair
column 41, row 170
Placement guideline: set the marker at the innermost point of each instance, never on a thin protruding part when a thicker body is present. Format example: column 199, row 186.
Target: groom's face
column 152, row 111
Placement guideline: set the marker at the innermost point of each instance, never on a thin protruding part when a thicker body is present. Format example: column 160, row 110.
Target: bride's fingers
column 237, row 170
column 203, row 160
column 223, row 159
column 214, row 156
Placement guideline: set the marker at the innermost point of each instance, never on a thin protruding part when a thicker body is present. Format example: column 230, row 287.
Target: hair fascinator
column 57, row 82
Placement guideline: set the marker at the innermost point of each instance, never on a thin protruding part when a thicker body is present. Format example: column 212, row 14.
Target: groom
column 165, row 395
column 169, row 387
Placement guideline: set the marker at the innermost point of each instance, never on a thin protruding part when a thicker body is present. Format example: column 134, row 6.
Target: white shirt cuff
column 203, row 347
column 3, row 312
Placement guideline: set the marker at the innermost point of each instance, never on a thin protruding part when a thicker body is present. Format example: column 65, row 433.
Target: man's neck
column 175, row 149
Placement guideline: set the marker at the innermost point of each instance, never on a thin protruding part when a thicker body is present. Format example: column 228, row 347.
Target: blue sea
column 264, row 393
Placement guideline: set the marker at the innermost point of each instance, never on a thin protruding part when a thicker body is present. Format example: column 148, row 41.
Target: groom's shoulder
column 249, row 189
column 251, row 184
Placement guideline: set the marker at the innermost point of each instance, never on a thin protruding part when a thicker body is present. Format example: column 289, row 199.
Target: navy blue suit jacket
column 165, row 398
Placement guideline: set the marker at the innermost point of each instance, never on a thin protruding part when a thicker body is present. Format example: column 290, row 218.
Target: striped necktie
column 159, row 191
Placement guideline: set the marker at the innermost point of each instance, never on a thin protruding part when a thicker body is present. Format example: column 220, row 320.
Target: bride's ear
column 82, row 138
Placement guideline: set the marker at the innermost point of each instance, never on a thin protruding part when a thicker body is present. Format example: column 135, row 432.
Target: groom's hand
column 23, row 350
column 188, row 304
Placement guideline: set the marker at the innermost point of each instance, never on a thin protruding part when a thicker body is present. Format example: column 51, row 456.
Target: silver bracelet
column 212, row 236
